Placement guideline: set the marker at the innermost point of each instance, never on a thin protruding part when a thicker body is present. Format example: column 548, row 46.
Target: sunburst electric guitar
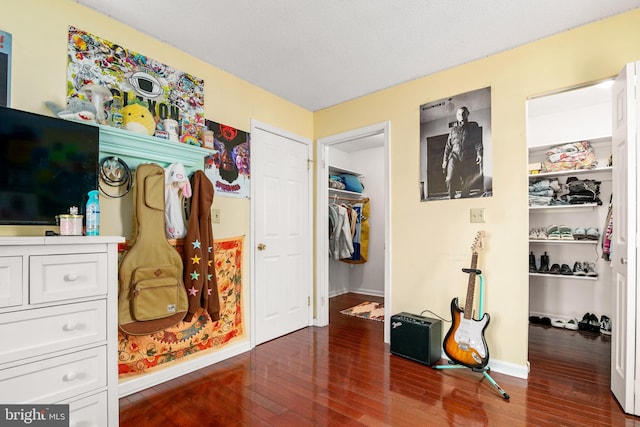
column 465, row 343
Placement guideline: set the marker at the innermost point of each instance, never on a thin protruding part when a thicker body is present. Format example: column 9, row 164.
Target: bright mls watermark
column 34, row 415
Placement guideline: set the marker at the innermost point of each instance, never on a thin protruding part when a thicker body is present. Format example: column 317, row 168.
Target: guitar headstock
column 478, row 242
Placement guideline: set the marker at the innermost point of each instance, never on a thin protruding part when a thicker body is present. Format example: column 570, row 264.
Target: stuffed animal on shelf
column 77, row 109
column 136, row 117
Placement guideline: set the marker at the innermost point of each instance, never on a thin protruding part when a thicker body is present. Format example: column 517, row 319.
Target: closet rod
column 348, row 199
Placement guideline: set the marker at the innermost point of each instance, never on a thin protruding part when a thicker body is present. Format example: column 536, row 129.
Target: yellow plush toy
column 136, row 117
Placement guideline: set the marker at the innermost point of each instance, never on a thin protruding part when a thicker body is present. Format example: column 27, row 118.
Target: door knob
column 262, row 246
column 623, row 260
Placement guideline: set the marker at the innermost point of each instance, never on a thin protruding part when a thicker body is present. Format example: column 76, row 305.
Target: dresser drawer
column 55, row 379
column 89, row 411
column 10, row 281
column 39, row 331
column 64, row 277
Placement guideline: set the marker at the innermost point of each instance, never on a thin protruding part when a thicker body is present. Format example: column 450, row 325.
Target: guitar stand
column 485, row 370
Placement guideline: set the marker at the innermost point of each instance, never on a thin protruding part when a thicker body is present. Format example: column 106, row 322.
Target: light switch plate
column 476, row 215
column 215, row 216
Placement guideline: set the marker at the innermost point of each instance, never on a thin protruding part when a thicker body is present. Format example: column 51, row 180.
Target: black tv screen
column 47, row 165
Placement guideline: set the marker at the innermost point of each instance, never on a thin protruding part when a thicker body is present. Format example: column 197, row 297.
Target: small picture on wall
column 455, row 147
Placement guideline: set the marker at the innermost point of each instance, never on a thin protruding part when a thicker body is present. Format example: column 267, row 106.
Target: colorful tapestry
column 228, row 167
column 169, row 93
column 139, row 354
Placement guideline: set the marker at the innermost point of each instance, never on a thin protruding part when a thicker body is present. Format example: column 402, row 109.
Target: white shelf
column 597, row 171
column 569, row 242
column 335, row 170
column 336, row 192
column 564, row 276
column 564, row 208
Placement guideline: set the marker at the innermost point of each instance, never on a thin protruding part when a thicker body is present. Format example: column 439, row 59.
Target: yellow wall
column 430, row 241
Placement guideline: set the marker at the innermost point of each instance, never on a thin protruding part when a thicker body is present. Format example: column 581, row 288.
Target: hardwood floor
column 344, row 375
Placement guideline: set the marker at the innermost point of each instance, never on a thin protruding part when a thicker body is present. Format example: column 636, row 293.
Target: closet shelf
column 336, row 192
column 564, row 276
column 333, row 170
column 603, row 170
column 564, row 208
column 565, row 242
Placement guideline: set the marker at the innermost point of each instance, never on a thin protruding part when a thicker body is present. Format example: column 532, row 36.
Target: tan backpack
column 151, row 295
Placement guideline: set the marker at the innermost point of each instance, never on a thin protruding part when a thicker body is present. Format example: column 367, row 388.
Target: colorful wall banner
column 169, row 93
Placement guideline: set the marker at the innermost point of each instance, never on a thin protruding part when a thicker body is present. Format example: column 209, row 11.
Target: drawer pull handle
column 72, row 277
column 69, row 326
column 69, row 377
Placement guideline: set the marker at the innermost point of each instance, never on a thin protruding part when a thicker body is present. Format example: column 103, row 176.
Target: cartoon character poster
column 167, row 92
column 228, row 167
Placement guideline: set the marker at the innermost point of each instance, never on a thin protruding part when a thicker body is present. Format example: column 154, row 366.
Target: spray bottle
column 93, row 214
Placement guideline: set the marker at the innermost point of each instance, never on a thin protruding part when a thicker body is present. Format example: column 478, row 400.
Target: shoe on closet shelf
column 590, row 269
column 578, row 269
column 565, row 232
column 579, row 233
column 566, row 270
column 592, row 233
column 572, row 324
column 558, row 323
column 555, row 269
column 553, row 232
column 605, row 325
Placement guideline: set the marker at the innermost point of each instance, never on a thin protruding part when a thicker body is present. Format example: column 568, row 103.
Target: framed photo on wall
column 455, row 147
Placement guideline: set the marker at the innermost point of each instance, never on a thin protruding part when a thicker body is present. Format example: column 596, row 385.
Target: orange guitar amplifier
column 416, row 337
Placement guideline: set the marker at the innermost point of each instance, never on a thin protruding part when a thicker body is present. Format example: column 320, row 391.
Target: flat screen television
column 47, row 165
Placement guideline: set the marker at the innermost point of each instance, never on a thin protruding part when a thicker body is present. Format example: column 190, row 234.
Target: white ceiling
column 319, row 53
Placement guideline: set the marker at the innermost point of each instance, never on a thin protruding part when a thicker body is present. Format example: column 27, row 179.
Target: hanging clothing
column 199, row 264
column 176, row 186
column 341, row 244
column 361, row 239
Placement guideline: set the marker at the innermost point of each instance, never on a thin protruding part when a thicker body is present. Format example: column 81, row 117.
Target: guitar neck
column 471, row 288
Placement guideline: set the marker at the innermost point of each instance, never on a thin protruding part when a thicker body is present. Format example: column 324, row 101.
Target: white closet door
column 623, row 341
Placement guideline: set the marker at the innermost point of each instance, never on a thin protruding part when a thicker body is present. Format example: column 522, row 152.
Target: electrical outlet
column 476, row 215
column 215, row 216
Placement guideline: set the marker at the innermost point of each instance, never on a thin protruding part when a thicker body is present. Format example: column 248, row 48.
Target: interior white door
column 282, row 233
column 623, row 340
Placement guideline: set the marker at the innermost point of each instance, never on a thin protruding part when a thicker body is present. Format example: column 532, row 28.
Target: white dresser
column 58, row 324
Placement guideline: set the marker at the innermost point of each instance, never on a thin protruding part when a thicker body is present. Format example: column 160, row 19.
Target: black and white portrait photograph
column 455, row 147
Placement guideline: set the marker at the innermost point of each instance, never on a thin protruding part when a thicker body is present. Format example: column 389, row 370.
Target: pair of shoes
column 565, row 232
column 605, row 325
column 555, row 269
column 537, row 234
column 545, row 321
column 589, row 323
column 558, row 323
column 584, row 269
column 592, row 233
column 553, row 232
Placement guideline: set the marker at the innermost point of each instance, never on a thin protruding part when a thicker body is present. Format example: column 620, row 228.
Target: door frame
column 322, row 223
column 255, row 125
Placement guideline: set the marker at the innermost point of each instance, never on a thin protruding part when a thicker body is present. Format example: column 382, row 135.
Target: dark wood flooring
column 344, row 375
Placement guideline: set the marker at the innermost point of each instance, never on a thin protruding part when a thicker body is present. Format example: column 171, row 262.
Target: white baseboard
column 507, row 368
column 132, row 385
column 371, row 292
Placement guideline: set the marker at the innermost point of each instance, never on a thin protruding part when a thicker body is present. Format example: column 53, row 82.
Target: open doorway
column 364, row 153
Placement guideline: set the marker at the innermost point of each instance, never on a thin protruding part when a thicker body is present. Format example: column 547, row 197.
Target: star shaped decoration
column 209, row 276
column 193, row 291
column 196, row 244
column 195, row 275
column 210, row 249
column 209, row 263
column 209, row 291
column 195, row 259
